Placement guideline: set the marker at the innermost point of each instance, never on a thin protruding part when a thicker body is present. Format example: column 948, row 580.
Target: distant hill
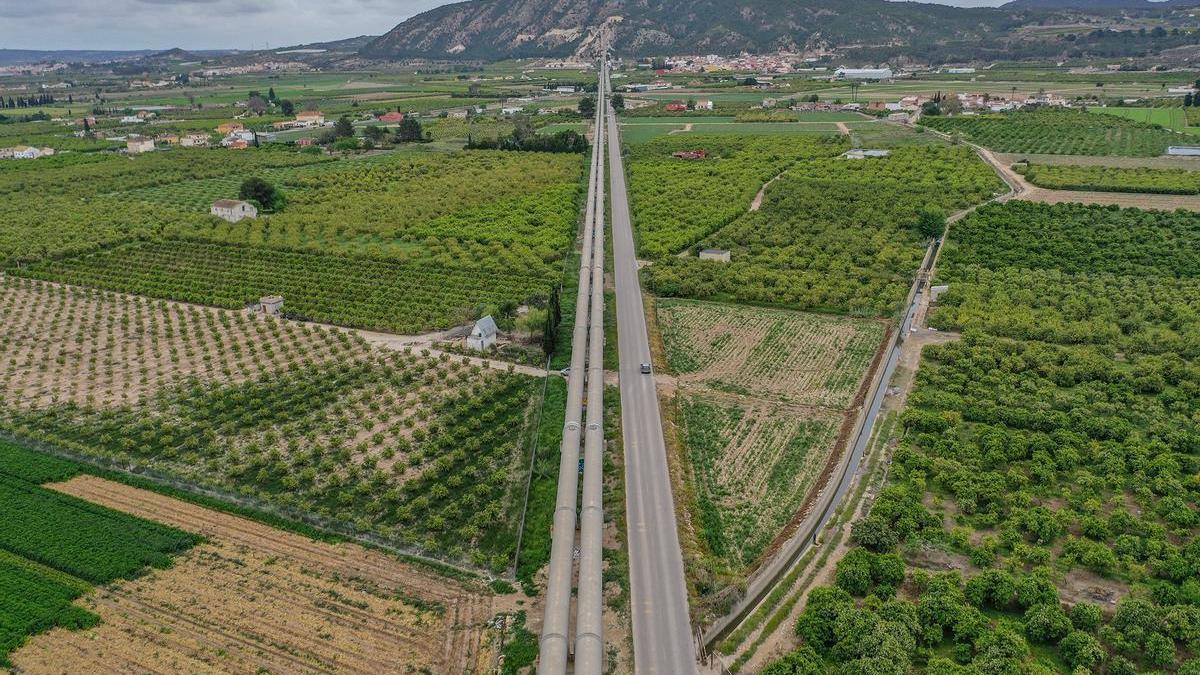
column 491, row 29
column 1099, row 4
column 15, row 57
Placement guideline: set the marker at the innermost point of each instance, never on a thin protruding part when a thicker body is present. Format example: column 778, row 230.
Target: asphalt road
column 662, row 631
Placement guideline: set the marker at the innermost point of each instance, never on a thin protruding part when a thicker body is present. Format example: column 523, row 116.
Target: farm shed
column 271, row 304
column 865, row 154
column 233, row 210
column 715, row 254
column 1183, row 151
column 483, row 335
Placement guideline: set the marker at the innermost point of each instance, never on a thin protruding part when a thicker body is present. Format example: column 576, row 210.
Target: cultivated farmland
column 789, row 357
column 253, row 598
column 1043, row 489
column 762, row 399
column 53, row 546
column 309, row 421
column 1112, row 179
column 1060, row 132
column 833, row 234
column 677, row 202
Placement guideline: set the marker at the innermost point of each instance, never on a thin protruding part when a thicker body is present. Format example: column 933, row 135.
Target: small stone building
column 715, row 254
column 483, row 335
column 233, row 210
column 271, row 305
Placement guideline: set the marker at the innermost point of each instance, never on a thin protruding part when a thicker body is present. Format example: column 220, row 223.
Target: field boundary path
column 807, row 534
column 1028, row 192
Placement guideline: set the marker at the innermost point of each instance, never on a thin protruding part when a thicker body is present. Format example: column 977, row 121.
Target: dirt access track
column 252, row 598
column 1028, row 192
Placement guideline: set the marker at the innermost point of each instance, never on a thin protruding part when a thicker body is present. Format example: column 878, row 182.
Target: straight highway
column 662, row 631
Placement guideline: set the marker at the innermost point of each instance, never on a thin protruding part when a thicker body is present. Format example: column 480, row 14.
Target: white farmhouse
column 483, row 335
column 136, row 145
column 233, row 210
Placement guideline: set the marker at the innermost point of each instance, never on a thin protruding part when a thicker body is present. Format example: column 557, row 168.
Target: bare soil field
column 778, row 355
column 254, row 599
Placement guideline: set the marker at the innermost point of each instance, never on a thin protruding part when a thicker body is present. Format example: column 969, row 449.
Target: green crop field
column 676, row 202
column 1114, row 179
column 429, row 218
column 833, row 234
column 53, row 546
column 1060, row 132
column 1168, row 118
column 1046, row 456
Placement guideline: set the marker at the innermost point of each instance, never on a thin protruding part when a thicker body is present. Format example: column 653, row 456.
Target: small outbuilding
column 716, row 255
column 866, row 154
column 483, row 335
column 271, row 305
column 233, row 210
column 1183, row 151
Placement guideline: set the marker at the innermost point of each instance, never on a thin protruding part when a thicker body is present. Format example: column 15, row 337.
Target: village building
column 310, row 118
column 1183, row 151
column 136, row 145
column 457, row 114
column 690, row 154
column 716, row 255
column 25, row 152
column 196, row 140
column 306, row 142
column 392, row 118
column 676, row 106
column 769, row 103
column 483, row 336
column 233, row 210
column 704, row 104
column 169, row 139
column 132, row 119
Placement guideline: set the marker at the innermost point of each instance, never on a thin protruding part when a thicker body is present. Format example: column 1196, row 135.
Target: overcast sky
column 215, row 24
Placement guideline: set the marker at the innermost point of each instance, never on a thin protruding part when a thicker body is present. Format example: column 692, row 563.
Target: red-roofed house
column 392, row 118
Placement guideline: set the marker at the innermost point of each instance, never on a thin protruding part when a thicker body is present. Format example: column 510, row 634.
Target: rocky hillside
column 491, row 29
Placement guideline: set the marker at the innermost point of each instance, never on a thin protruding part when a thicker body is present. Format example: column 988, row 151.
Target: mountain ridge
column 490, row 29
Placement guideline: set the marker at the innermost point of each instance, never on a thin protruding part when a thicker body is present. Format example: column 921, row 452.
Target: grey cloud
column 194, row 24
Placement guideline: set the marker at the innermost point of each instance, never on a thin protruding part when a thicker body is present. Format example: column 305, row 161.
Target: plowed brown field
column 254, row 598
